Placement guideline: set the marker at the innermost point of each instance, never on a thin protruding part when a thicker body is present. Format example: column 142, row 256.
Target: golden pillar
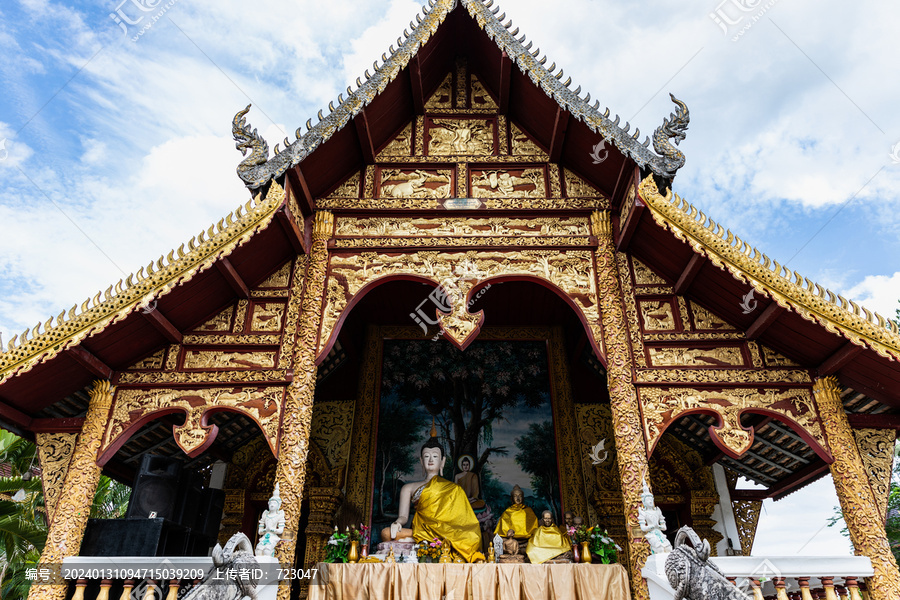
column 851, row 483
column 293, row 448
column 626, row 415
column 74, row 506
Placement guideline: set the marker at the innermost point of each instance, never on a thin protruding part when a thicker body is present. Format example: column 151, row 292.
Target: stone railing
column 779, row 577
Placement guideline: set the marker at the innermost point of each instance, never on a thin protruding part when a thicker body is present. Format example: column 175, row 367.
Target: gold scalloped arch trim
column 788, row 288
column 140, row 289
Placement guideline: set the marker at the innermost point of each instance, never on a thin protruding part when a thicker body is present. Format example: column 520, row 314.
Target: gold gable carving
column 578, row 187
column 523, row 145
column 704, row 320
column 480, row 98
column 401, row 145
column 644, row 275
column 443, row 96
column 278, row 279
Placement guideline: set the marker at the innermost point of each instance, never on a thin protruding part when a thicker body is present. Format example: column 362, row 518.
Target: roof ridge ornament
column 247, row 139
column 672, row 128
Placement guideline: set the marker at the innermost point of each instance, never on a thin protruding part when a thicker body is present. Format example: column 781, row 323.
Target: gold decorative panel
column 267, row 316
column 459, row 137
column 774, row 359
column 460, row 226
column 224, row 359
column 348, row 189
column 262, row 404
column 443, row 96
column 220, row 322
column 459, row 273
column 724, row 356
column 523, row 145
column 480, row 98
column 278, row 279
column 876, row 448
column 746, row 516
column 704, row 320
column 418, row 183
column 401, row 145
column 644, row 275
column 55, row 451
column 661, row 406
column 508, row 183
column 154, row 362
column 332, row 423
column 657, row 315
column 578, row 187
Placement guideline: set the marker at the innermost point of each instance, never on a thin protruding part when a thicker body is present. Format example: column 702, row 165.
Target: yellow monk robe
column 547, row 543
column 443, row 512
column 520, row 519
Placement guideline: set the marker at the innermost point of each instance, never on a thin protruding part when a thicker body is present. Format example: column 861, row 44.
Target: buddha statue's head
column 517, row 495
column 570, row 519
column 465, row 464
column 547, row 518
column 432, row 455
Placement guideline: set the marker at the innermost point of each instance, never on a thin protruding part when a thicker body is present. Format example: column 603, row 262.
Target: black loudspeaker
column 190, row 496
column 212, row 504
column 155, row 489
column 123, row 537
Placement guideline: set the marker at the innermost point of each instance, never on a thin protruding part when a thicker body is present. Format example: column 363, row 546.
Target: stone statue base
column 511, row 558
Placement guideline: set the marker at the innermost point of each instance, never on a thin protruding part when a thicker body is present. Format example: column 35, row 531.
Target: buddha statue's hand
column 395, row 529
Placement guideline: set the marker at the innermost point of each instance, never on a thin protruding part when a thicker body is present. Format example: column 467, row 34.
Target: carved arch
column 794, row 407
column 568, row 273
column 132, row 408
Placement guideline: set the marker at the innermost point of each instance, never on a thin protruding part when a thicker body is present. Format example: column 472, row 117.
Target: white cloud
column 880, row 293
column 798, row 524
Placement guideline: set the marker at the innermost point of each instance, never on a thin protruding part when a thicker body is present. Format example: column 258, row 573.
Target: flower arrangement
column 429, row 549
column 338, row 546
column 580, row 534
column 603, row 546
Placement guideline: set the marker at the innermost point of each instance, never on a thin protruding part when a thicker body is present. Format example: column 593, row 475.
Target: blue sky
column 117, row 151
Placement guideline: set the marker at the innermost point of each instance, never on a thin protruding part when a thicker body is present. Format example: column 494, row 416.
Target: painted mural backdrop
column 490, row 402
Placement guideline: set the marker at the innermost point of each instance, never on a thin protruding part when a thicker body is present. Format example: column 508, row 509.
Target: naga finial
column 248, row 139
column 674, row 127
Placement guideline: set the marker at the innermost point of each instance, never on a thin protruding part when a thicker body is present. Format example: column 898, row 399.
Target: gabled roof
column 258, row 168
column 788, row 288
column 139, row 290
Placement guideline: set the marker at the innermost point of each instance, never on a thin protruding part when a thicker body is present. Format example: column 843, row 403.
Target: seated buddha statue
column 468, row 481
column 547, row 541
column 442, row 508
column 518, row 517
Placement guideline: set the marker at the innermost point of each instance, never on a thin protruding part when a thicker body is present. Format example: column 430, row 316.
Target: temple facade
column 462, row 240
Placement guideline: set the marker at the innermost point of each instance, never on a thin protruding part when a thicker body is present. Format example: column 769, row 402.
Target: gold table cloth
column 457, row 581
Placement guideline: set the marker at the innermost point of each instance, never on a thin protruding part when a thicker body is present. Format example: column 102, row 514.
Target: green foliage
column 537, row 457
column 603, row 546
column 23, row 526
column 397, row 452
column 467, row 391
column 338, row 547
